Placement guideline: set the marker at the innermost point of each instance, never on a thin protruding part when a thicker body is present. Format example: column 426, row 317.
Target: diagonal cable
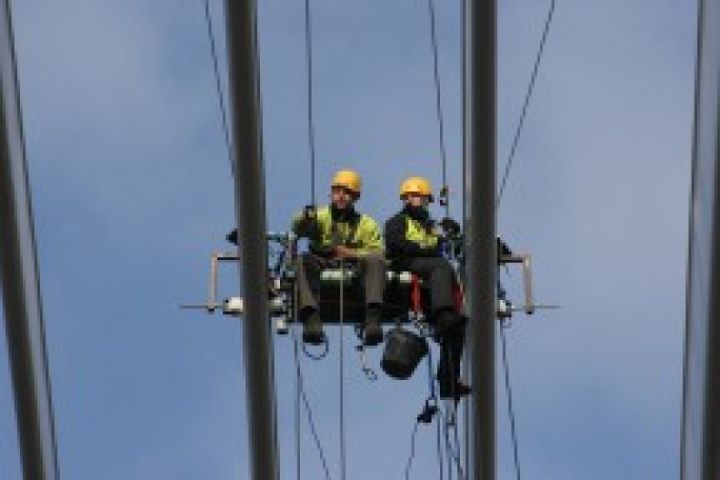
column 308, row 409
column 438, row 101
column 218, row 86
column 526, row 102
column 511, row 410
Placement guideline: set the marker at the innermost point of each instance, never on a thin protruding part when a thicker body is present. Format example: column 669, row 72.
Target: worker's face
column 341, row 197
column 417, row 200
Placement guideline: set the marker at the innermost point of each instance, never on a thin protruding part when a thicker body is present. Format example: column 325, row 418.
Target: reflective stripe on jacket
column 416, row 232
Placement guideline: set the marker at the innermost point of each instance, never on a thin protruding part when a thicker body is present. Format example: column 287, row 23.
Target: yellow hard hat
column 349, row 179
column 416, row 186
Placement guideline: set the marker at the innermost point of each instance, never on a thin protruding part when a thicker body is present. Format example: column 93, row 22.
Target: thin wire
column 218, row 86
column 310, row 119
column 448, row 448
column 450, row 422
column 454, row 442
column 511, row 411
column 408, row 465
column 297, row 419
column 438, row 101
column 342, row 371
column 526, row 103
column 308, row 410
column 300, row 392
column 463, row 49
column 437, row 418
column 458, row 460
column 297, row 385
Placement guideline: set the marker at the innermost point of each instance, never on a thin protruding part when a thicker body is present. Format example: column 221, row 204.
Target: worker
column 412, row 244
column 338, row 233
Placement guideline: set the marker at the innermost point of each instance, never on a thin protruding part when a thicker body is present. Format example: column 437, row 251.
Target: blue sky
column 132, row 190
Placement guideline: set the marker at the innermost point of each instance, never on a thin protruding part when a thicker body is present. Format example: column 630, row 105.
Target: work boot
column 312, row 328
column 448, row 375
column 373, row 333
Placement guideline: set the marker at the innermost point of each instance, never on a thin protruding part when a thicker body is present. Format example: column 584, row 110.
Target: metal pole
column 480, row 243
column 251, row 218
column 20, row 280
column 700, row 434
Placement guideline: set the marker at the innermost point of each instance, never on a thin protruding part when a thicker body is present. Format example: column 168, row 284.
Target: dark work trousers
column 439, row 273
column 371, row 269
column 449, row 327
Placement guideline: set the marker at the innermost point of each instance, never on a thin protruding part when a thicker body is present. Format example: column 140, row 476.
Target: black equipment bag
column 403, row 352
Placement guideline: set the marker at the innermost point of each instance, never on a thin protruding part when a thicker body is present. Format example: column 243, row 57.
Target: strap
column 415, row 294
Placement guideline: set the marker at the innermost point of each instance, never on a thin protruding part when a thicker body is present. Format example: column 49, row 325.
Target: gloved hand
column 450, row 226
column 308, row 222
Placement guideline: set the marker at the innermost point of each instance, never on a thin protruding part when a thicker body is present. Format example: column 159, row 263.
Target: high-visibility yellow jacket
column 333, row 228
column 410, row 234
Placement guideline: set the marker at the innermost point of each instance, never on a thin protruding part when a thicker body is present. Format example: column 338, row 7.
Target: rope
column 310, row 119
column 526, row 103
column 511, row 411
column 342, row 371
column 218, row 86
column 438, row 103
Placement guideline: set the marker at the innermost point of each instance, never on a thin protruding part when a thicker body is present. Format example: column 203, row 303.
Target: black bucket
column 403, row 352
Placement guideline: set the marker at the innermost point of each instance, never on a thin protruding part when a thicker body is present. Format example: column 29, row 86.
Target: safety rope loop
column 444, row 201
column 322, row 354
column 526, row 102
column 310, row 113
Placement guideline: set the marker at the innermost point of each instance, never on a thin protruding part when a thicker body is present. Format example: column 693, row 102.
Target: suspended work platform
column 406, row 296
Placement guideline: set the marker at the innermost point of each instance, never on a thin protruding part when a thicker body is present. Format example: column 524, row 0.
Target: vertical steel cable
column 438, row 102
column 218, row 86
column 297, row 385
column 310, row 119
column 297, row 419
column 437, row 417
column 526, row 102
column 342, row 371
column 463, row 49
